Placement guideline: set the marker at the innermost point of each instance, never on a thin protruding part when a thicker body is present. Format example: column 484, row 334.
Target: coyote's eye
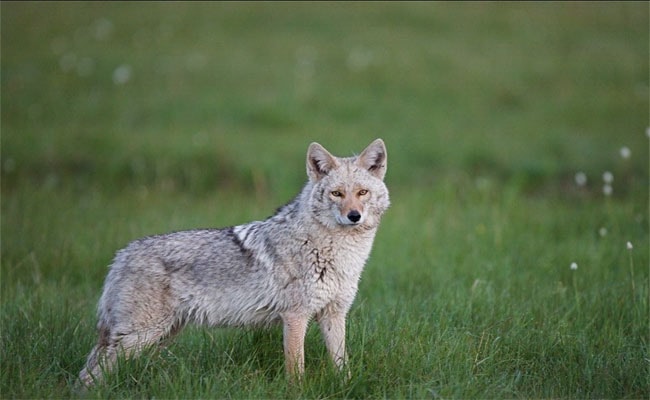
column 363, row 192
column 336, row 193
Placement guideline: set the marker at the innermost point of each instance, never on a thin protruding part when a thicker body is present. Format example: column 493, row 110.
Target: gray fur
column 303, row 262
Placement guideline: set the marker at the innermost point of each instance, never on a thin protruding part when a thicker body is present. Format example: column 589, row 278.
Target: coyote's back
column 303, row 262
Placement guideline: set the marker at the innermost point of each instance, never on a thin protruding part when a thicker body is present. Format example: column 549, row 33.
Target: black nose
column 354, row 216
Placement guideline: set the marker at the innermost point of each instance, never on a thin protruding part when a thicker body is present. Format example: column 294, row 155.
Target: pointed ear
column 374, row 158
column 319, row 162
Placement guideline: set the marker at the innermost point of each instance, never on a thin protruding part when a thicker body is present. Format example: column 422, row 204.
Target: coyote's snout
column 350, row 206
column 303, row 262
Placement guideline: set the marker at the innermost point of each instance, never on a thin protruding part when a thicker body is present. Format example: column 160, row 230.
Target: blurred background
column 203, row 97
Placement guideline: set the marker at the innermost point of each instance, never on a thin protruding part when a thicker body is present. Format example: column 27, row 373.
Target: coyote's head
column 348, row 192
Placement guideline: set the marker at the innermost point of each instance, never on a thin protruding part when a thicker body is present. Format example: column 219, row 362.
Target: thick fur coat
column 303, row 262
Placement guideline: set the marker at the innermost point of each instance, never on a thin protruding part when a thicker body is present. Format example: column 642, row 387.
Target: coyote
column 304, row 261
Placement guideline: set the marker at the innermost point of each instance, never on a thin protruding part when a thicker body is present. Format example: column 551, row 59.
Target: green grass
column 488, row 111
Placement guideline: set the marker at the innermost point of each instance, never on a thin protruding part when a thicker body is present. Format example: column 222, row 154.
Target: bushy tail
column 89, row 375
column 103, row 357
column 100, row 360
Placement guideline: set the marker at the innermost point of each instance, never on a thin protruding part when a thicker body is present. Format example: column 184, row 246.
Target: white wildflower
column 608, row 177
column 573, row 266
column 581, row 178
column 607, row 189
column 602, row 231
column 122, row 74
column 629, row 246
column 360, row 59
column 625, row 152
column 9, row 164
column 103, row 29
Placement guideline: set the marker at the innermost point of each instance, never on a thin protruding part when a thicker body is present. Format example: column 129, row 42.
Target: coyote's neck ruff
column 303, row 262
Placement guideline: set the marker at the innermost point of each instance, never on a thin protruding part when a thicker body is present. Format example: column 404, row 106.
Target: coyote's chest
column 331, row 260
column 332, row 267
column 323, row 266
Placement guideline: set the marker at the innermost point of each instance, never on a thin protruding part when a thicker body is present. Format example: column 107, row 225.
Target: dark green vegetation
column 126, row 119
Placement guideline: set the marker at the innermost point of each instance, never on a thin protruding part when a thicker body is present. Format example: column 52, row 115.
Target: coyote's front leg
column 332, row 325
column 295, row 328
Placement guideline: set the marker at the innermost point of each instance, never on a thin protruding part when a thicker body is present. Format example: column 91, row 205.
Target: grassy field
column 502, row 121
